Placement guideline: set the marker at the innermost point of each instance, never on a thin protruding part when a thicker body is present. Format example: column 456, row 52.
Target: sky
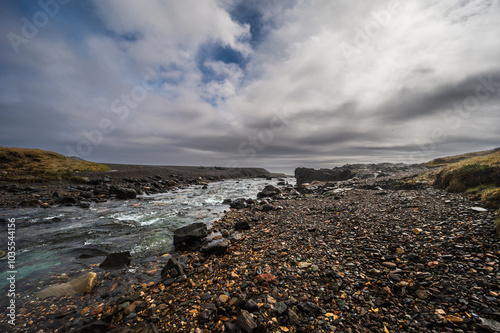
column 276, row 84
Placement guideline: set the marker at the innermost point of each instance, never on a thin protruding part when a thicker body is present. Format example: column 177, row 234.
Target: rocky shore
column 122, row 182
column 373, row 255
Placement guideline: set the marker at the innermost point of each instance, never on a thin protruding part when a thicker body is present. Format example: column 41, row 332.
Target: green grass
column 39, row 166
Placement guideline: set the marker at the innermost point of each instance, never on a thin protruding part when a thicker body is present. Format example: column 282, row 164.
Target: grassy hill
column 477, row 174
column 37, row 166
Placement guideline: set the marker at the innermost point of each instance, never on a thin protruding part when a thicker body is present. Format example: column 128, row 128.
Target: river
column 49, row 241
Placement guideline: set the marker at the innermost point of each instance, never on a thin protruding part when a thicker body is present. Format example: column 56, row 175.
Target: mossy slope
column 36, row 166
column 477, row 174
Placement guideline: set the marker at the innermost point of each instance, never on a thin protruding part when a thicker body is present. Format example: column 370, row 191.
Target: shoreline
column 348, row 257
column 122, row 182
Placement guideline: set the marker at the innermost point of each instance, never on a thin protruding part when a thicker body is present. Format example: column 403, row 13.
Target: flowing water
column 50, row 241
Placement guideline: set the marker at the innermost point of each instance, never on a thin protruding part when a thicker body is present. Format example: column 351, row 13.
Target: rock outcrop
column 307, row 175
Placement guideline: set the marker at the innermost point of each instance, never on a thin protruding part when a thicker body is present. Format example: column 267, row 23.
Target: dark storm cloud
column 263, row 83
column 482, row 88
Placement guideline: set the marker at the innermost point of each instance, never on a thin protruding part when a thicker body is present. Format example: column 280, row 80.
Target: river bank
column 122, row 182
column 353, row 256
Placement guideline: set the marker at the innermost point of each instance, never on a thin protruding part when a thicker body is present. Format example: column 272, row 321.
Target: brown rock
column 267, row 277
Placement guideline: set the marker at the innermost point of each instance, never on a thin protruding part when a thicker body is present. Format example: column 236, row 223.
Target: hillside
column 36, row 166
column 477, row 174
column 445, row 161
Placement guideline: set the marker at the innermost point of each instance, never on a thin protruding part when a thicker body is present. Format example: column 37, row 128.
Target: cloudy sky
column 276, row 83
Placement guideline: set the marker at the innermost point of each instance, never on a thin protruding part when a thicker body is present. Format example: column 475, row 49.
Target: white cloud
column 391, row 92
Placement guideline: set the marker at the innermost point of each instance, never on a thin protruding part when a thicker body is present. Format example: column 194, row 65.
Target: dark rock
column 171, row 265
column 309, row 308
column 231, row 328
column 84, row 204
column 246, row 321
column 251, row 306
column 30, row 203
column 67, row 201
column 190, row 233
column 116, row 260
column 279, row 308
column 267, row 208
column 242, row 225
column 307, row 175
column 123, row 193
column 269, row 191
column 217, row 247
column 238, row 204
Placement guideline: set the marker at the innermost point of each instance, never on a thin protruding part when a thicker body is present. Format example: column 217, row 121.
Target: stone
column 417, row 231
column 80, row 285
column 389, row 264
column 246, row 321
column 266, row 277
column 267, row 208
column 3, row 254
column 422, row 294
column 238, row 204
column 116, row 260
column 303, row 264
column 279, row 308
column 309, row 308
column 217, row 247
column 269, row 191
column 395, row 277
column 223, row 299
column 478, row 209
column 242, row 225
column 84, row 204
column 123, row 193
column 454, row 319
column 67, row 201
column 235, row 236
column 190, row 233
column 172, row 264
column 490, row 324
column 251, row 306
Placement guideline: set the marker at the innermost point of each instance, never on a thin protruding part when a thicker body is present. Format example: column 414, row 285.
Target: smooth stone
column 389, row 264
column 80, row 285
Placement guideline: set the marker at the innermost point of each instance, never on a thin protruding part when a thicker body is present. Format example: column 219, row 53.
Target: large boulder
column 269, row 191
column 116, row 260
column 239, row 204
column 80, row 285
column 190, row 233
column 307, row 175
